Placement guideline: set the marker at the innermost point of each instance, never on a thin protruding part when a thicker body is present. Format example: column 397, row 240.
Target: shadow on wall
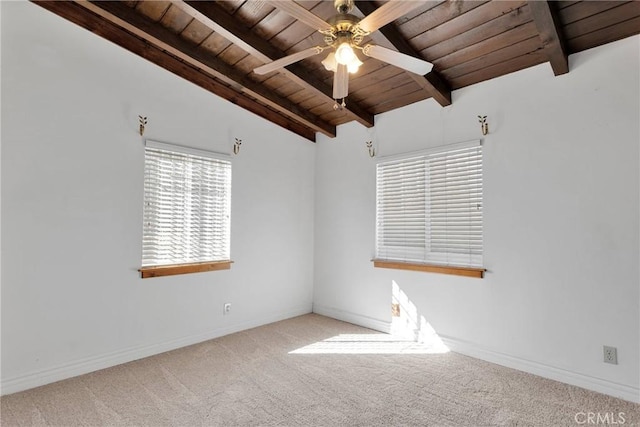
column 410, row 334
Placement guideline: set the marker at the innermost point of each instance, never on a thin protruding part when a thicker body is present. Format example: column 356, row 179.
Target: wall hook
column 484, row 126
column 143, row 123
column 236, row 146
column 372, row 151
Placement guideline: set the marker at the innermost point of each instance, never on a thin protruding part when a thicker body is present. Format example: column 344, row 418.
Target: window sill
column 196, row 267
column 430, row 268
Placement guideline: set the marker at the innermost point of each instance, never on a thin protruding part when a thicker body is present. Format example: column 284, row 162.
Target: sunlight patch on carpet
column 411, row 333
column 371, row 344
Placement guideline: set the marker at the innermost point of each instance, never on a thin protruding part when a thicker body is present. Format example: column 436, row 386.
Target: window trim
column 196, row 267
column 476, row 272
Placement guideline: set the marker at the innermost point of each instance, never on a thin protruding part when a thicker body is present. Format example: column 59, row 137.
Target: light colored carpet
column 310, row 370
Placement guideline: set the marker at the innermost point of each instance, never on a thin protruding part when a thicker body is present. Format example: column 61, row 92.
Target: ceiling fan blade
column 386, row 13
column 302, row 14
column 287, row 60
column 341, row 82
column 409, row 63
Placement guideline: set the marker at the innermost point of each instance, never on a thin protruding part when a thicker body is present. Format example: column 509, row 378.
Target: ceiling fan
column 343, row 34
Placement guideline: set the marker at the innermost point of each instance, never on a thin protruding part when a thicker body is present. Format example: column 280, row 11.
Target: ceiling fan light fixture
column 345, row 54
column 354, row 66
column 330, row 63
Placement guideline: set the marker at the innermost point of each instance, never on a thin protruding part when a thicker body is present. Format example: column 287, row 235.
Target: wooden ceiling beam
column 143, row 27
column 432, row 83
column 548, row 25
column 219, row 20
column 95, row 23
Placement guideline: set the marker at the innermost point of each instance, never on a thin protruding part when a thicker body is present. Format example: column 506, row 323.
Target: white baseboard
column 356, row 319
column 94, row 363
column 610, row 388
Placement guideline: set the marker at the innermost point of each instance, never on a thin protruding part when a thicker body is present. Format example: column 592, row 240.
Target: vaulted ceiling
column 217, row 45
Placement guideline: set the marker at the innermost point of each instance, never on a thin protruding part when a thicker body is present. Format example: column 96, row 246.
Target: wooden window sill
column 196, row 267
column 431, row 268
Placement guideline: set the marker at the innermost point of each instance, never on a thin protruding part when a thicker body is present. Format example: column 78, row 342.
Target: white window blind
column 429, row 206
column 187, row 206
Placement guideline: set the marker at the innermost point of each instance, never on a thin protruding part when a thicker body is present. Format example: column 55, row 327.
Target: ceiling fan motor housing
column 345, row 26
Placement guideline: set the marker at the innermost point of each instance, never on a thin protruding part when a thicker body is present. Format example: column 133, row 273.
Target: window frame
column 409, row 192
column 186, row 262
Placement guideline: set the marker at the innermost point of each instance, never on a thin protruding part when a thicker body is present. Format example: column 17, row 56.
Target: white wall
column 72, row 168
column 561, row 221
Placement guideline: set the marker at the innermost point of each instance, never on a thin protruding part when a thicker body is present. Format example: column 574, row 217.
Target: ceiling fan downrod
column 343, row 6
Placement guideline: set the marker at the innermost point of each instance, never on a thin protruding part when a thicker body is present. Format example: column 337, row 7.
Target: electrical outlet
column 610, row 355
column 395, row 310
column 226, row 309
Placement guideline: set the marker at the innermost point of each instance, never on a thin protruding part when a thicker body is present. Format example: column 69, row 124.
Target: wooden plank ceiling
column 216, row 45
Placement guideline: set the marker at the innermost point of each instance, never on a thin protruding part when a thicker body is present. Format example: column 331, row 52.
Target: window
column 187, row 207
column 429, row 207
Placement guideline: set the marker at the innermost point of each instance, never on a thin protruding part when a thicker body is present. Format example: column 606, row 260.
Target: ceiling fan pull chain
column 341, row 105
